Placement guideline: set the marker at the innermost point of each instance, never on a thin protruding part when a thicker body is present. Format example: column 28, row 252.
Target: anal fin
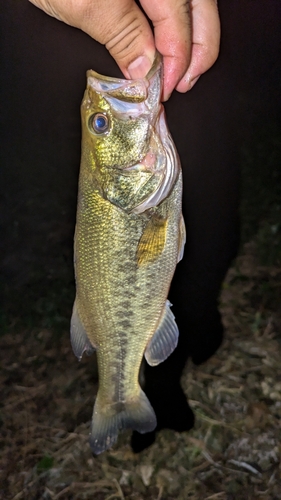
column 78, row 336
column 164, row 340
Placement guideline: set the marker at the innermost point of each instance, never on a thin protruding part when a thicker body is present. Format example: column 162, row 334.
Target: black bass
column 129, row 237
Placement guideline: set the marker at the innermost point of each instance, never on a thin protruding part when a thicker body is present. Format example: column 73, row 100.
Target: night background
column 233, row 114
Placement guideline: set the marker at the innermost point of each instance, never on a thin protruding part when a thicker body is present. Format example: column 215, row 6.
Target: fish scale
column 125, row 253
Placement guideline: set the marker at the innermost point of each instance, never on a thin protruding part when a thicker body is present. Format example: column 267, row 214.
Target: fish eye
column 99, row 123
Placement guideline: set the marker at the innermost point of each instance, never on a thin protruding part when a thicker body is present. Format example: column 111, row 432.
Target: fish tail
column 136, row 414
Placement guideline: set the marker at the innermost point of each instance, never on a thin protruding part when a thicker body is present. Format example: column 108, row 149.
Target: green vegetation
column 45, row 464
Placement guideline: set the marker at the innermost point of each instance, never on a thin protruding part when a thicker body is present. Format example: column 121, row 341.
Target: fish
column 129, row 237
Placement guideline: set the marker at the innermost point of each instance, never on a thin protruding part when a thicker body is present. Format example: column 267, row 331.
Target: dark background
column 230, row 118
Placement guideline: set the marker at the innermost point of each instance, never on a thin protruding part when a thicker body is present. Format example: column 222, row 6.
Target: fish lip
column 156, row 65
column 116, row 82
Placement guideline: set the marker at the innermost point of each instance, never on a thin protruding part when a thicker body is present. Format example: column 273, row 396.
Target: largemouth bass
column 129, row 237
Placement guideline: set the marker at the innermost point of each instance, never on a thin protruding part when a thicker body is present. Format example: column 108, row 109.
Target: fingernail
column 140, row 67
column 193, row 81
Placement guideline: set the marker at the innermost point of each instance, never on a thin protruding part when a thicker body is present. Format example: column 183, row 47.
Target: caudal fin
column 107, row 422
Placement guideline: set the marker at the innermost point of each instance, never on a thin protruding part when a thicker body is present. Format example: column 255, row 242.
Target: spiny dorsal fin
column 164, row 340
column 152, row 241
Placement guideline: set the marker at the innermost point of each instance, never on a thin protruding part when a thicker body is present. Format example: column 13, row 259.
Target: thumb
column 120, row 25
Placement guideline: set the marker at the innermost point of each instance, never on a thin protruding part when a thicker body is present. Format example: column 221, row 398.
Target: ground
column 233, row 452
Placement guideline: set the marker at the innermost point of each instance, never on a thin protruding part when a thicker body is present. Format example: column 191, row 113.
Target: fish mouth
column 131, row 97
column 134, row 91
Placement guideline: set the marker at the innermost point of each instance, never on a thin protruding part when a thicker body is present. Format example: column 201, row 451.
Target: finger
column 206, row 40
column 172, row 31
column 120, row 25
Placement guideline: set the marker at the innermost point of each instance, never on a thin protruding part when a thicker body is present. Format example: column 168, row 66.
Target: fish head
column 125, row 139
column 117, row 117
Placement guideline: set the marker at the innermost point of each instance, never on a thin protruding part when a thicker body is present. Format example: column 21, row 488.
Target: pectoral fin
column 164, row 340
column 78, row 336
column 152, row 241
column 182, row 238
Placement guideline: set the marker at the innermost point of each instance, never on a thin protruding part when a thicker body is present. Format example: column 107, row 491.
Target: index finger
column 172, row 31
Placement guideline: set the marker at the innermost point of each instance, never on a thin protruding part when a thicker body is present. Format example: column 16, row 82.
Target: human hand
column 186, row 33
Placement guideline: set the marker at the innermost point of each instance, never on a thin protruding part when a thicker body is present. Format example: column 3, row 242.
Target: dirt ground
column 233, row 452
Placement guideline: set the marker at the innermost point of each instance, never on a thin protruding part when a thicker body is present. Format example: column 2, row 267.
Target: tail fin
column 106, row 424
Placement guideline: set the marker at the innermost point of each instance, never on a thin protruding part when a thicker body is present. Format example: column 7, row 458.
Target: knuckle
column 122, row 40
